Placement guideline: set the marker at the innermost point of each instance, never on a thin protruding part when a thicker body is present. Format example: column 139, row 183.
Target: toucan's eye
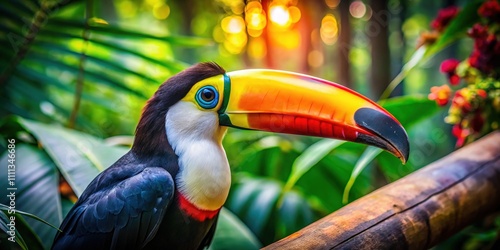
column 207, row 97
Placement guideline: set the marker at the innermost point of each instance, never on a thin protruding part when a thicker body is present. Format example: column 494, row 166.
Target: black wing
column 205, row 243
column 121, row 209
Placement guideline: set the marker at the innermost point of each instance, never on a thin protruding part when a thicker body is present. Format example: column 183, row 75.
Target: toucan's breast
column 204, row 176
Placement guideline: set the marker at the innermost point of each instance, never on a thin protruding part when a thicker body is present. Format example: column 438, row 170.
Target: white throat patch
column 204, row 175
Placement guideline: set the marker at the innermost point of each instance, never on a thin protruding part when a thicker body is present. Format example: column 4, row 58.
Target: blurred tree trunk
column 378, row 33
column 400, row 54
column 305, row 26
column 268, row 60
column 344, row 44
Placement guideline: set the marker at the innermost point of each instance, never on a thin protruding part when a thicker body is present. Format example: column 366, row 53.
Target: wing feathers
column 127, row 214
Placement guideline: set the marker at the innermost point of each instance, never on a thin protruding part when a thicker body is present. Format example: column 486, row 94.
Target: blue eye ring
column 207, row 97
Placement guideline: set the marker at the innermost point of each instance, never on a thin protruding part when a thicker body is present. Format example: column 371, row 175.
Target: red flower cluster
column 475, row 108
column 460, row 133
column 449, row 67
column 467, row 114
column 441, row 94
column 444, row 17
column 490, row 10
column 486, row 53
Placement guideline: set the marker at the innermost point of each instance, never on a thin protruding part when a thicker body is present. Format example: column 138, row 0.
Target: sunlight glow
column 234, row 43
column 279, row 15
column 235, row 37
column 255, row 19
column 289, row 39
column 257, row 48
column 233, row 24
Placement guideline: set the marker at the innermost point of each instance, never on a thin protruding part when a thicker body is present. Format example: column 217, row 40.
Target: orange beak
column 292, row 103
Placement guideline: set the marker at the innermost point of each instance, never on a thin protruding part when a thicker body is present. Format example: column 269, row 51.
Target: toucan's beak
column 286, row 102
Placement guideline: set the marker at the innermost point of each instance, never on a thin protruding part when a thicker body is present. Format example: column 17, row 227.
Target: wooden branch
column 417, row 211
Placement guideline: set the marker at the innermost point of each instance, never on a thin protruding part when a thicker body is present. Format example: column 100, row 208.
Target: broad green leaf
column 310, row 157
column 392, row 168
column 241, row 195
column 37, row 190
column 367, row 156
column 231, row 233
column 270, row 155
column 80, row 157
column 323, row 184
column 262, row 206
column 409, row 110
column 294, row 213
column 255, row 201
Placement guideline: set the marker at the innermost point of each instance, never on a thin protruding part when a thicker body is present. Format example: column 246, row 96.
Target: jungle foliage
column 72, row 87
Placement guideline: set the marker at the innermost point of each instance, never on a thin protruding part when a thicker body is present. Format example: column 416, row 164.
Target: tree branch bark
column 417, row 211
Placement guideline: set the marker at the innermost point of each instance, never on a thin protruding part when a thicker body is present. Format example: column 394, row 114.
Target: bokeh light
column 218, row 34
column 233, row 24
column 255, row 19
column 199, row 25
column 279, row 15
column 357, row 9
column 126, row 9
column 332, row 4
column 161, row 11
column 329, row 29
column 315, row 59
column 235, row 37
column 237, row 7
column 294, row 13
column 240, row 31
column 234, row 43
column 368, row 14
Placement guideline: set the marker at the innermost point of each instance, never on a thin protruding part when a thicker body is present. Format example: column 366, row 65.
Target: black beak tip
column 391, row 136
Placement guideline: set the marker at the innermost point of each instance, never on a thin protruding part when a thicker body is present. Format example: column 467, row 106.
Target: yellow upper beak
column 287, row 102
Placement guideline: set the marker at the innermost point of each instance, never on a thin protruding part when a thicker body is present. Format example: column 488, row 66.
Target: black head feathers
column 150, row 135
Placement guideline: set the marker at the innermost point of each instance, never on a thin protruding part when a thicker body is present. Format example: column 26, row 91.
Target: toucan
column 167, row 191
